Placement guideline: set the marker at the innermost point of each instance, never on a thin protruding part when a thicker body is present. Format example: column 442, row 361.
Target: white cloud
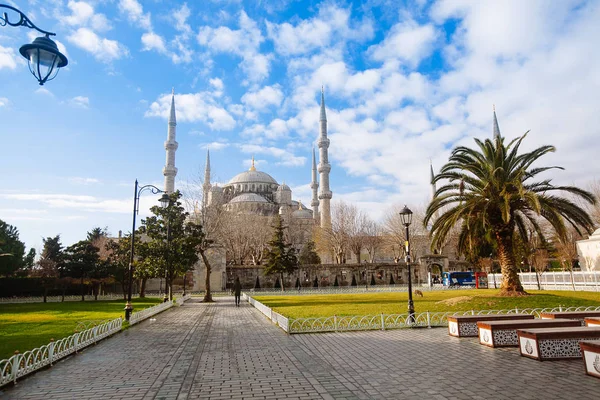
column 243, row 42
column 194, row 107
column 135, row 13
column 286, row 158
column 216, row 146
column 330, row 25
column 83, row 181
column 8, row 58
column 102, row 49
column 152, row 41
column 406, row 41
column 216, row 83
column 263, row 98
column 43, row 91
column 4, row 102
column 83, row 15
column 80, row 102
column 181, row 17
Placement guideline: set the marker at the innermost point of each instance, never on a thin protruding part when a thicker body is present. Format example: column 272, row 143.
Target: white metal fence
column 385, row 321
column 582, row 281
column 58, row 299
column 352, row 289
column 277, row 318
column 20, row 365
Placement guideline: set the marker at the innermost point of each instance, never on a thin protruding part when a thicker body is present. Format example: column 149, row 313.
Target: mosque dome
column 284, row 187
column 249, row 198
column 253, row 176
column 302, row 212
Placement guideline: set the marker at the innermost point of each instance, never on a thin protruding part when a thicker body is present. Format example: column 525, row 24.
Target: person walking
column 237, row 291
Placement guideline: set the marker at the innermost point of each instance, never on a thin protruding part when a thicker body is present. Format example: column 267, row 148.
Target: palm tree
column 490, row 192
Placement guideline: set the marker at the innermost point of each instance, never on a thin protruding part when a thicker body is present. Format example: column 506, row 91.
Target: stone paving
column 219, row 351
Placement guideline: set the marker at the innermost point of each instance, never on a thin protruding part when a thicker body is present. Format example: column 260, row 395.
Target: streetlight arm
column 152, row 188
column 23, row 21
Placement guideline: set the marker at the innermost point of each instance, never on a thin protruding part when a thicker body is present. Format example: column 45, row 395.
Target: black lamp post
column 168, row 277
column 42, row 55
column 164, row 201
column 406, row 216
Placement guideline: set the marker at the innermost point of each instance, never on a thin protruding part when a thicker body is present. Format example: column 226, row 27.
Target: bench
column 466, row 325
column 592, row 322
column 504, row 333
column 591, row 357
column 554, row 343
column 578, row 315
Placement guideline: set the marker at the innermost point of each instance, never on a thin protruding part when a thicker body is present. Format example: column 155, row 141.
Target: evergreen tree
column 50, row 264
column 373, row 280
column 173, row 246
column 277, row 285
column 12, row 250
column 353, row 280
column 335, row 283
column 257, row 283
column 281, row 257
column 309, row 255
column 316, row 282
column 298, row 285
column 83, row 263
column 392, row 279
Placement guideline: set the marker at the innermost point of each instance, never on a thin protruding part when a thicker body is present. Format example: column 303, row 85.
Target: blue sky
column 405, row 82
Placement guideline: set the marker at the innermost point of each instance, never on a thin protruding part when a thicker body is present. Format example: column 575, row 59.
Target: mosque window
column 245, row 188
column 253, row 187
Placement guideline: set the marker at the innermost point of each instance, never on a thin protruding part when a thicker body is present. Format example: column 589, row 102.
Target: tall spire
column 169, row 171
column 324, row 167
column 323, row 116
column 252, row 167
column 314, row 185
column 206, row 185
column 496, row 127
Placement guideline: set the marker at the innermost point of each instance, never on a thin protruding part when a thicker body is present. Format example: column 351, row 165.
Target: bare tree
column 334, row 239
column 373, row 238
column 395, row 233
column 538, row 259
column 357, row 226
column 566, row 250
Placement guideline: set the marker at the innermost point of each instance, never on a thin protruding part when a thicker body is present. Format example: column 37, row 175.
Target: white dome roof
column 252, row 177
column 302, row 214
column 283, row 187
column 248, row 198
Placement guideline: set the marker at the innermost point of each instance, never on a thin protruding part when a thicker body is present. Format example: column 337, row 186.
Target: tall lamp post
column 164, row 201
column 42, row 54
column 406, row 216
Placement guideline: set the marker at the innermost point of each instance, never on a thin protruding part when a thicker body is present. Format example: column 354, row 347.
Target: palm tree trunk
column 511, row 285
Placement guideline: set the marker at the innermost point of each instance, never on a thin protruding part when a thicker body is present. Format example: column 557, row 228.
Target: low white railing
column 183, row 299
column 148, row 312
column 561, row 280
column 20, row 365
column 394, row 321
column 58, row 299
column 352, row 289
column 278, row 319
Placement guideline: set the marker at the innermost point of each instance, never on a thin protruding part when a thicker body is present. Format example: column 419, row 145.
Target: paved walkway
column 218, row 351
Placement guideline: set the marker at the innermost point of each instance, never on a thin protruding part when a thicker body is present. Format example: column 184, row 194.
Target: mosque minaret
column 324, row 167
column 314, row 185
column 169, row 171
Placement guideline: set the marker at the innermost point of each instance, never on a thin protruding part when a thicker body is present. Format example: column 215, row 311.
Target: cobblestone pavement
column 219, row 351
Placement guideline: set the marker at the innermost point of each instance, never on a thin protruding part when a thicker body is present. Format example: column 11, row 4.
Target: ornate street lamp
column 42, row 54
column 406, row 216
column 164, row 202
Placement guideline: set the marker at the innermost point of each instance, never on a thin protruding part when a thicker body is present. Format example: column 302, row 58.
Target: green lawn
column 307, row 306
column 26, row 326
